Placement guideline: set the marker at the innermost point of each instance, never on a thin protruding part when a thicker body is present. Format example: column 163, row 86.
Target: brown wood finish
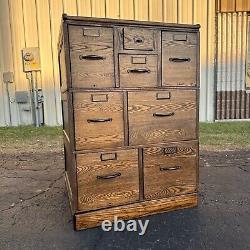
column 130, row 117
column 138, row 39
column 95, row 218
column 138, row 70
column 170, row 170
column 161, row 116
column 179, row 58
column 107, row 179
column 92, row 56
column 98, row 120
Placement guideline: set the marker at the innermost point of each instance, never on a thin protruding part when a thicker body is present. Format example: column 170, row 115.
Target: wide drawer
column 170, row 170
column 161, row 116
column 138, row 39
column 98, row 119
column 138, row 70
column 92, row 56
column 107, row 179
column 179, row 59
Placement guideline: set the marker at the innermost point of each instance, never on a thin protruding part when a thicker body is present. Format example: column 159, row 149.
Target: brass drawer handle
column 179, row 59
column 170, row 168
column 100, row 120
column 91, row 57
column 110, row 176
column 139, row 70
column 163, row 114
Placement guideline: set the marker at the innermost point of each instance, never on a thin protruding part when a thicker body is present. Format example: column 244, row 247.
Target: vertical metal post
column 35, row 100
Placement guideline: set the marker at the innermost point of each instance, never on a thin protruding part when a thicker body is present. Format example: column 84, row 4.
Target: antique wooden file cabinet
column 130, row 117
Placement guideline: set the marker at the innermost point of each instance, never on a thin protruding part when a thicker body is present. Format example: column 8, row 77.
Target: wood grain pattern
column 70, row 169
column 98, row 134
column 95, row 192
column 179, row 45
column 145, row 128
column 95, row 218
column 169, row 174
column 130, row 63
column 89, row 41
column 138, row 38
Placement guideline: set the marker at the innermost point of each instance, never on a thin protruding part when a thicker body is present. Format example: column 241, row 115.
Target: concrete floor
column 35, row 212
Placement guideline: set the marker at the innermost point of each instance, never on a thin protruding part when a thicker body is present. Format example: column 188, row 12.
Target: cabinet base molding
column 136, row 210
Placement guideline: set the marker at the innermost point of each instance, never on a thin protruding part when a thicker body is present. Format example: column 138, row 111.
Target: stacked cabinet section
column 130, row 112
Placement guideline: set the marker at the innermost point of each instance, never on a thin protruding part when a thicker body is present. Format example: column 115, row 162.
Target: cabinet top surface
column 109, row 21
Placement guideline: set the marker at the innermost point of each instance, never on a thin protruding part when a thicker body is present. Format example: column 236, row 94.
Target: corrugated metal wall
column 232, row 97
column 26, row 23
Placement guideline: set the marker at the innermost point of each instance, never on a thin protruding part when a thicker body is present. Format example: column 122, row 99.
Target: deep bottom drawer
column 170, row 170
column 107, row 179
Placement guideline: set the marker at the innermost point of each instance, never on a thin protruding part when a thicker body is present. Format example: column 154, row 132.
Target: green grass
column 26, row 133
column 235, row 134
column 220, row 134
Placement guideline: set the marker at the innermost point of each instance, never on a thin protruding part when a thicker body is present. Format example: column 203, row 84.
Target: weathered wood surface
column 169, row 118
column 169, row 171
column 107, row 179
column 95, row 218
column 179, row 59
column 92, row 56
column 89, row 107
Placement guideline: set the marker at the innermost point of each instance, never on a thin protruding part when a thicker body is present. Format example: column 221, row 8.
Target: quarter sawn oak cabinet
column 130, row 117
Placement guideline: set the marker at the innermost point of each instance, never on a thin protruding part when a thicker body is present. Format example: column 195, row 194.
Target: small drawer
column 98, row 119
column 161, row 116
column 138, row 70
column 170, row 170
column 107, row 179
column 138, row 39
column 92, row 56
column 179, row 59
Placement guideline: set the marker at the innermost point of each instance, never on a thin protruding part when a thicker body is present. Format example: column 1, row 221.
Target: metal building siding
column 27, row 23
column 232, row 98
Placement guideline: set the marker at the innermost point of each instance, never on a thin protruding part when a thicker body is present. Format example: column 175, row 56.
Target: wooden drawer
column 179, row 59
column 91, row 53
column 138, row 70
column 170, row 170
column 161, row 116
column 107, row 179
column 138, row 39
column 98, row 119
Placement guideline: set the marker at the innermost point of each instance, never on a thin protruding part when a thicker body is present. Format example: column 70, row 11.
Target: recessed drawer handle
column 139, row 70
column 163, row 114
column 170, row 168
column 100, row 120
column 139, row 40
column 91, row 57
column 179, row 59
column 109, row 176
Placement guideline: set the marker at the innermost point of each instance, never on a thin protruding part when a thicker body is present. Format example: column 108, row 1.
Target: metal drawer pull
column 139, row 40
column 100, row 120
column 110, row 176
column 91, row 57
column 139, row 70
column 170, row 168
column 163, row 114
column 179, row 59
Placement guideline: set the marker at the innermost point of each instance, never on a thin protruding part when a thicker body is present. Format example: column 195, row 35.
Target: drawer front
column 138, row 70
column 179, row 59
column 161, row 116
column 91, row 53
column 138, row 39
column 107, row 179
column 170, row 170
column 98, row 120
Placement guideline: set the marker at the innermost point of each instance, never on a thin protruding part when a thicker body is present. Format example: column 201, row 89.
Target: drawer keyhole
column 139, row 40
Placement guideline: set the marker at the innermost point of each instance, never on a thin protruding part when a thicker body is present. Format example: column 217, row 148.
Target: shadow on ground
column 35, row 212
